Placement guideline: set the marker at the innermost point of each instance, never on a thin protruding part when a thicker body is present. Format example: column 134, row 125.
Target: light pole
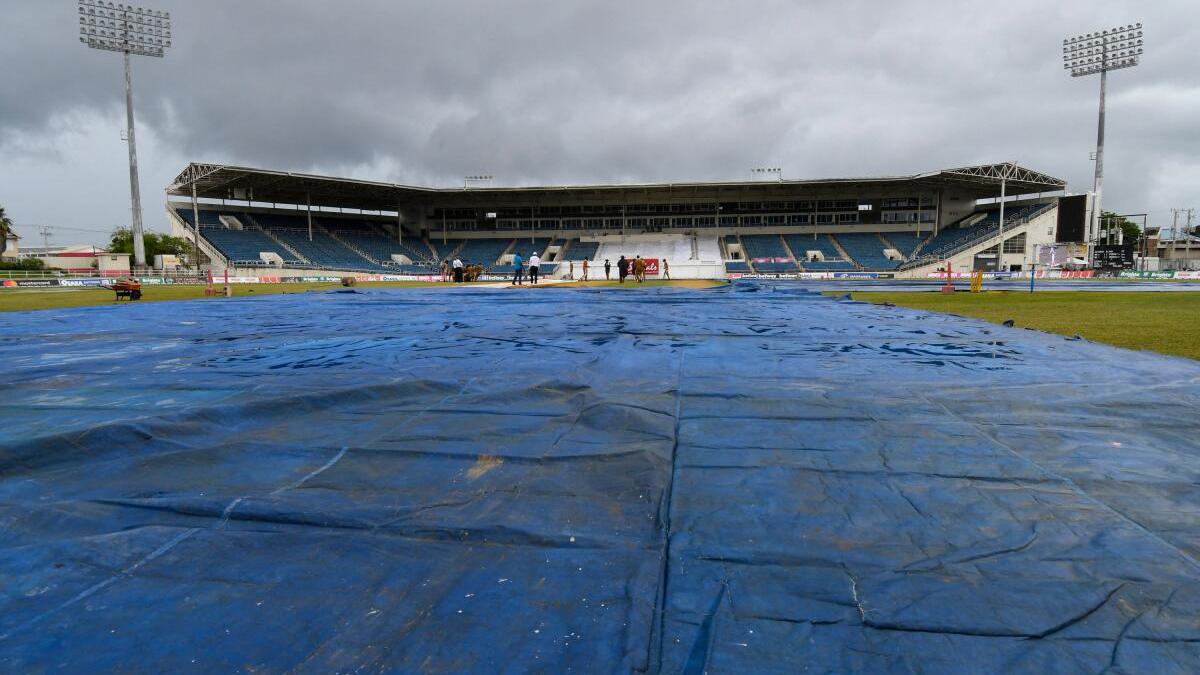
column 1006, row 172
column 132, row 31
column 1100, row 52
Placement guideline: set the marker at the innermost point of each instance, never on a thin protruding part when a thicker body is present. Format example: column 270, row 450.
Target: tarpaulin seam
column 1071, row 484
column 99, row 586
column 295, row 484
column 160, row 551
column 524, row 343
column 940, row 561
column 1053, row 630
column 229, row 509
column 1016, row 481
column 701, row 651
column 661, row 604
column 312, row 474
column 147, row 425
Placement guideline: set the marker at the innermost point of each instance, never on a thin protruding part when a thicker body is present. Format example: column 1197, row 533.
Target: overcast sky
column 579, row 91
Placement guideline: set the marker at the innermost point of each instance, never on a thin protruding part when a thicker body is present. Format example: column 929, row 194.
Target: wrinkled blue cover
column 752, row 479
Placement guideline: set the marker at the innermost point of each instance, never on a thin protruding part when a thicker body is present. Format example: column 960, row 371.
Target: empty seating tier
column 526, row 246
column 905, row 242
column 242, row 247
column 867, row 250
column 579, row 250
column 767, row 253
column 483, row 251
column 325, row 251
column 379, row 246
column 801, row 244
column 948, row 241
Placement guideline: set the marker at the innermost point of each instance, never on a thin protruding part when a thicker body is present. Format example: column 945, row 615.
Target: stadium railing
column 987, row 229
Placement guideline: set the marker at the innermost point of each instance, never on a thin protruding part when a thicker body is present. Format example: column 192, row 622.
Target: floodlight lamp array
column 124, row 28
column 1111, row 49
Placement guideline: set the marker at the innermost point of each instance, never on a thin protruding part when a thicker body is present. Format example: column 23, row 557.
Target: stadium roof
column 216, row 181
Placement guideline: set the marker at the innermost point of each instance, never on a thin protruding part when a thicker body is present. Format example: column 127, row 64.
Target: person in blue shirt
column 518, row 271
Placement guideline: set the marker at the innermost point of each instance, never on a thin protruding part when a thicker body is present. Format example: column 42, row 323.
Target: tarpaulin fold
column 748, row 479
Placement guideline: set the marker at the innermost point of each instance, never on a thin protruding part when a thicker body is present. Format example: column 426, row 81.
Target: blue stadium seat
column 374, row 243
column 581, row 249
column 905, row 242
column 322, row 250
column 866, row 248
column 485, row 252
column 240, row 247
column 526, row 246
column 759, row 246
column 801, row 244
column 950, row 240
column 206, row 217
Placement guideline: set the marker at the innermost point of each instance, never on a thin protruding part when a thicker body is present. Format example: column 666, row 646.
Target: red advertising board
column 651, row 266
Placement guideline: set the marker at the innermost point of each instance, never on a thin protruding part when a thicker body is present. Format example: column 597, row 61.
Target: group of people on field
column 637, row 267
column 459, row 272
column 535, row 263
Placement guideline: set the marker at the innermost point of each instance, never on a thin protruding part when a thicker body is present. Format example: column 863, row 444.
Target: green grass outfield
column 1164, row 322
column 27, row 299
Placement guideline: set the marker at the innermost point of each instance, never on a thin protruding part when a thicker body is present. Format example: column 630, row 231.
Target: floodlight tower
column 129, row 30
column 1100, row 52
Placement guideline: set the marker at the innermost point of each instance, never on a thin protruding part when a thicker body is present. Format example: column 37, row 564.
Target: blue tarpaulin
column 749, row 479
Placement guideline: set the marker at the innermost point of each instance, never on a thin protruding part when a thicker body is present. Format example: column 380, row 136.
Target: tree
column 31, row 264
column 155, row 243
column 6, row 225
column 1132, row 232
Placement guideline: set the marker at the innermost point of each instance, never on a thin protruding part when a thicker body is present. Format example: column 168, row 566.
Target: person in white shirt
column 534, row 262
column 458, row 270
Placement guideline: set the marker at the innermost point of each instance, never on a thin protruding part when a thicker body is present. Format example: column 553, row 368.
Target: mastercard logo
column 9, row 283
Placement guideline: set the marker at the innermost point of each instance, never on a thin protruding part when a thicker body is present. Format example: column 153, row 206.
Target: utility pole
column 1175, row 228
column 1187, row 230
column 45, row 231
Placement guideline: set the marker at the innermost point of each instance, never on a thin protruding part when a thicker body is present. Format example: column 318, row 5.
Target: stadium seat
column 802, row 243
column 485, row 252
column 952, row 239
column 866, row 248
column 769, row 249
column 525, row 246
column 905, row 242
column 375, row 244
column 322, row 250
column 240, row 247
column 579, row 250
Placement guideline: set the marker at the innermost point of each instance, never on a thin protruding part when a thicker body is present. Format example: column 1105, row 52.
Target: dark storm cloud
column 426, row 92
